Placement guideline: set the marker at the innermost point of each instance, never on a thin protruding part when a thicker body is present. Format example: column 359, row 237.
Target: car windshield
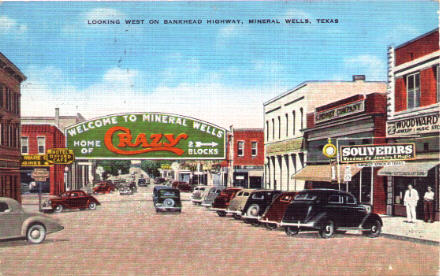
column 305, row 196
column 168, row 193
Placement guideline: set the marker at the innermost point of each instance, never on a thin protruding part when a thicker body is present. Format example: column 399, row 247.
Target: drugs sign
column 372, row 153
column 146, row 136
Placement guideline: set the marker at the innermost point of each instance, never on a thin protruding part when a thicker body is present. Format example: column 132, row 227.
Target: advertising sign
column 414, row 125
column 372, row 153
column 60, row 156
column 340, row 111
column 40, row 174
column 146, row 136
column 34, row 160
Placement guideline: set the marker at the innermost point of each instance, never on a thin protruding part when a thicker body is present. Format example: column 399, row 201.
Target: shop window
column 365, row 141
column 240, row 148
column 413, row 90
column 41, row 145
column 425, row 147
column 254, row 148
column 24, row 145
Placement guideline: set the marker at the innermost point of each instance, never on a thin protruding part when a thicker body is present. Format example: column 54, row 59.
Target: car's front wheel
column 59, row 208
column 221, row 213
column 327, row 230
column 270, row 226
column 291, row 230
column 374, row 229
column 36, row 233
column 92, row 205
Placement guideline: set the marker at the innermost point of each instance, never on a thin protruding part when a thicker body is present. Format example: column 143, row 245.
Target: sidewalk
column 396, row 227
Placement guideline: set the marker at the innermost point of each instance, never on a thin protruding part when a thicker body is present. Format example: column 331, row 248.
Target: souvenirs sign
column 373, row 153
column 146, row 136
column 340, row 111
column 415, row 125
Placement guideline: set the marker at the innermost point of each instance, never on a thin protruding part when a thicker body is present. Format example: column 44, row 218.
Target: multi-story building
column 285, row 120
column 356, row 120
column 413, row 116
column 10, row 79
column 246, row 151
column 37, row 139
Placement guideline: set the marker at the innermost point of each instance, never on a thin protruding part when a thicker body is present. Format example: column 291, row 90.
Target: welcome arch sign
column 146, row 136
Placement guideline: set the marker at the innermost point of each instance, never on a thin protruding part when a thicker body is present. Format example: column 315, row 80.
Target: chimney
column 358, row 77
column 57, row 117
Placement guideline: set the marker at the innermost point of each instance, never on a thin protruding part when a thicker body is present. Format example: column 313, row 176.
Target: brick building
column 356, row 120
column 413, row 116
column 37, row 139
column 10, row 80
column 246, row 157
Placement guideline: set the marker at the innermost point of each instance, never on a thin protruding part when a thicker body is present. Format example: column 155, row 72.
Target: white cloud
column 103, row 13
column 9, row 25
column 373, row 67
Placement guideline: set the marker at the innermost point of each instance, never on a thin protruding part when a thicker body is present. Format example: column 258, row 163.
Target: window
column 279, row 127
column 305, row 196
column 258, row 196
column 273, row 129
column 413, row 90
column 1, row 94
column 254, row 148
column 350, row 200
column 3, row 207
column 302, row 117
column 267, row 130
column 335, row 199
column 287, row 125
column 240, row 148
column 293, row 122
column 41, row 144
column 24, row 144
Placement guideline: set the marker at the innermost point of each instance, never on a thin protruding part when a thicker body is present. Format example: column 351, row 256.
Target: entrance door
column 255, row 182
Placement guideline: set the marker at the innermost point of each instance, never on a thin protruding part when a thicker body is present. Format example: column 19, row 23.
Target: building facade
column 285, row 121
column 37, row 139
column 10, row 80
column 356, row 120
column 413, row 116
column 246, row 151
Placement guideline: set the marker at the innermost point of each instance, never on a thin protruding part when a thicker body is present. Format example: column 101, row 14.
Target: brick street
column 126, row 236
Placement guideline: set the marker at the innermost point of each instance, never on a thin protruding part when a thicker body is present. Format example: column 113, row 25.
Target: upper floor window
column 240, row 148
column 279, row 127
column 413, row 90
column 254, row 148
column 24, row 144
column 267, row 130
column 41, row 144
column 302, row 117
column 293, row 122
column 287, row 124
column 273, row 129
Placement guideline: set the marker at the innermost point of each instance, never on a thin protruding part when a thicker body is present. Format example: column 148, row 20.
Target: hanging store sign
column 34, row 160
column 60, row 156
column 338, row 112
column 414, row 125
column 146, row 136
column 373, row 153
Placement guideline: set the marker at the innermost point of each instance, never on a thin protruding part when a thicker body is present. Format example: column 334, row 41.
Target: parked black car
column 166, row 199
column 142, row 182
column 329, row 210
column 257, row 203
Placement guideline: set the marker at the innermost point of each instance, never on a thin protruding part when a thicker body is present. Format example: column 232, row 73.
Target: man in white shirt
column 428, row 205
column 410, row 201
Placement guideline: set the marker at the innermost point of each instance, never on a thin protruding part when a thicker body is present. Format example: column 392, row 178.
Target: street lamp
column 66, row 171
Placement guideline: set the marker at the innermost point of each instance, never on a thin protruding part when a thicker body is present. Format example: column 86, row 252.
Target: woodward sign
column 374, row 153
column 414, row 125
column 339, row 112
column 146, row 136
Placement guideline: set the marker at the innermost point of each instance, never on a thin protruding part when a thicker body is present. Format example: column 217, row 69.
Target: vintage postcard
column 219, row 137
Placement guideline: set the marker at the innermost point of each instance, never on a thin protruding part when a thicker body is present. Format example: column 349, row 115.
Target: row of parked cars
column 324, row 210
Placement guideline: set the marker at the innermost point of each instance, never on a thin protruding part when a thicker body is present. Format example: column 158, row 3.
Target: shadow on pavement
column 22, row 242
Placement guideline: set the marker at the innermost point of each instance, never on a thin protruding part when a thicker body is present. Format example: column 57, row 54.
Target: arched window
column 302, row 117
column 287, row 125
column 267, row 130
column 293, row 122
column 279, row 127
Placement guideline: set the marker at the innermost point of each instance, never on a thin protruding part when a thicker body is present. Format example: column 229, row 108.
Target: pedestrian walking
column 428, row 205
column 410, row 200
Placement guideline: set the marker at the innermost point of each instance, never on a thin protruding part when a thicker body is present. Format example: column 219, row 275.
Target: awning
column 323, row 173
column 255, row 173
column 411, row 169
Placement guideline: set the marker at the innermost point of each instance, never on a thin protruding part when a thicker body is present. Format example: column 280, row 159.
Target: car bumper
column 197, row 200
column 298, row 224
column 217, row 209
column 246, row 216
column 234, row 212
column 269, row 221
column 206, row 205
column 162, row 208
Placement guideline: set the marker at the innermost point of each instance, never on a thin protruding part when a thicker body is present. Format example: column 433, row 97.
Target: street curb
column 405, row 238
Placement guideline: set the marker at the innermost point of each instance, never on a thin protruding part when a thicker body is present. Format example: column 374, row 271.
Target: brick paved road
column 125, row 236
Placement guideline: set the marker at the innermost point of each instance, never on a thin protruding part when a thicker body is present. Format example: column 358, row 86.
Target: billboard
column 146, row 136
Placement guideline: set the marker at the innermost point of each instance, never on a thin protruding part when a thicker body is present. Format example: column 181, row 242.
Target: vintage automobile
column 211, row 194
column 133, row 186
column 142, row 182
column 125, row 191
column 104, row 188
column 166, row 199
column 184, row 187
column 221, row 202
column 274, row 213
column 237, row 204
column 16, row 223
column 329, row 210
column 197, row 194
column 159, row 180
column 256, row 204
column 76, row 199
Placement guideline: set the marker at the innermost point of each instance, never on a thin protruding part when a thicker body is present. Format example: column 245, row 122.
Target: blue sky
column 219, row 73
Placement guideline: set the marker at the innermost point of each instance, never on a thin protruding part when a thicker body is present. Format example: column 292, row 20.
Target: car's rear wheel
column 270, row 226
column 291, row 230
column 327, row 230
column 36, row 233
column 221, row 213
column 253, row 210
column 58, row 209
column 92, row 205
column 168, row 202
column 375, row 228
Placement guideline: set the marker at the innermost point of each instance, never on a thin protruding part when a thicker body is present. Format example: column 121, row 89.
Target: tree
column 152, row 166
column 113, row 166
